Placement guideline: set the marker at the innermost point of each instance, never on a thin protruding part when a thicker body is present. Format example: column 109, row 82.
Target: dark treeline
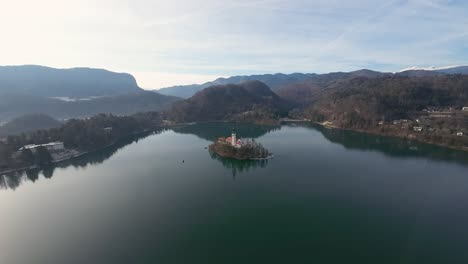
column 79, row 134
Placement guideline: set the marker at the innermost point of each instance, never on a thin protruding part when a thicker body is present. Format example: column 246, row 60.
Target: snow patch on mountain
column 430, row 68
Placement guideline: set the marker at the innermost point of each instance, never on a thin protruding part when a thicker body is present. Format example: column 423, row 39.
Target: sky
column 164, row 43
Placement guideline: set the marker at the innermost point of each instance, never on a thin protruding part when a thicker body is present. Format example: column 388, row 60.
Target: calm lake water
column 328, row 196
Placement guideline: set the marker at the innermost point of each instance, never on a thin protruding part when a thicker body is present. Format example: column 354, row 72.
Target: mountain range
column 33, row 89
column 26, row 90
column 278, row 81
column 75, row 83
column 272, row 80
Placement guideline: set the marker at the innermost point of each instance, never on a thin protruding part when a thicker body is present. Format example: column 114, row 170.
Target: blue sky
column 179, row 42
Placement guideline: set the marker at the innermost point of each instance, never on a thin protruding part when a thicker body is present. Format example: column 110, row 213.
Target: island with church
column 239, row 148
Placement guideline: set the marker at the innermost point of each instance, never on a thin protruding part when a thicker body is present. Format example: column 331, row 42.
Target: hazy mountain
column 272, row 80
column 75, row 82
column 455, row 70
column 278, row 81
column 15, row 105
column 251, row 100
column 28, row 123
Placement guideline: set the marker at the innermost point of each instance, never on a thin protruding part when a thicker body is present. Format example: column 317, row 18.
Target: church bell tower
column 233, row 137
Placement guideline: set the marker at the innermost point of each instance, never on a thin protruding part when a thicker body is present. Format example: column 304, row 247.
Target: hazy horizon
column 185, row 42
column 189, row 79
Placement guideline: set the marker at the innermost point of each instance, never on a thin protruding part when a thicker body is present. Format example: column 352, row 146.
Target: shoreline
column 329, row 125
column 78, row 155
column 326, row 125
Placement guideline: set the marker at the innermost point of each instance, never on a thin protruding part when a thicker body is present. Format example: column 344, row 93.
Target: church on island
column 241, row 149
column 232, row 140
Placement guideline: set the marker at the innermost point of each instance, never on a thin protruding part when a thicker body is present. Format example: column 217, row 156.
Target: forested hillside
column 372, row 100
column 249, row 101
column 28, row 123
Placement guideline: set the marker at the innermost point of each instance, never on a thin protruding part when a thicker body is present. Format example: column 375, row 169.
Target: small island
column 240, row 149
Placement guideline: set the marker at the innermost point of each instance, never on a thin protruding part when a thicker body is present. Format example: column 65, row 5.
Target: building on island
column 233, row 137
column 465, row 108
column 52, row 146
column 418, row 128
column 232, row 140
column 460, row 134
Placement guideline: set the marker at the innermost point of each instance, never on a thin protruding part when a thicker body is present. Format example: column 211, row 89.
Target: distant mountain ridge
column 32, row 89
column 75, row 82
column 271, row 80
column 277, row 81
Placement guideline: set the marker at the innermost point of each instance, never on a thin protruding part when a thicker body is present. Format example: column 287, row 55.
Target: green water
column 328, row 196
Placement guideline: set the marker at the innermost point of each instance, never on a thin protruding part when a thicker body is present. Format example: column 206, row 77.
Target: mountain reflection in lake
column 212, row 131
column 393, row 147
column 328, row 196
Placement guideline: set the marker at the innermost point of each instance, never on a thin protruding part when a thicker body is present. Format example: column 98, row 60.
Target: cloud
column 198, row 39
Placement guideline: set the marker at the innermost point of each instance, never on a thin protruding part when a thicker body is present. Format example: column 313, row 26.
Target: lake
column 327, row 196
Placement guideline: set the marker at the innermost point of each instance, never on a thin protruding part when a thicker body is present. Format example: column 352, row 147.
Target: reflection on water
column 394, row 147
column 212, row 131
column 314, row 199
column 15, row 179
column 239, row 166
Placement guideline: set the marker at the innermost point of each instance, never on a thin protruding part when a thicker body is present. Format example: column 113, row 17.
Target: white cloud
column 204, row 38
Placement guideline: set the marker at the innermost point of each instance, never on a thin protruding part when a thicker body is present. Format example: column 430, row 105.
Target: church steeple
column 233, row 137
